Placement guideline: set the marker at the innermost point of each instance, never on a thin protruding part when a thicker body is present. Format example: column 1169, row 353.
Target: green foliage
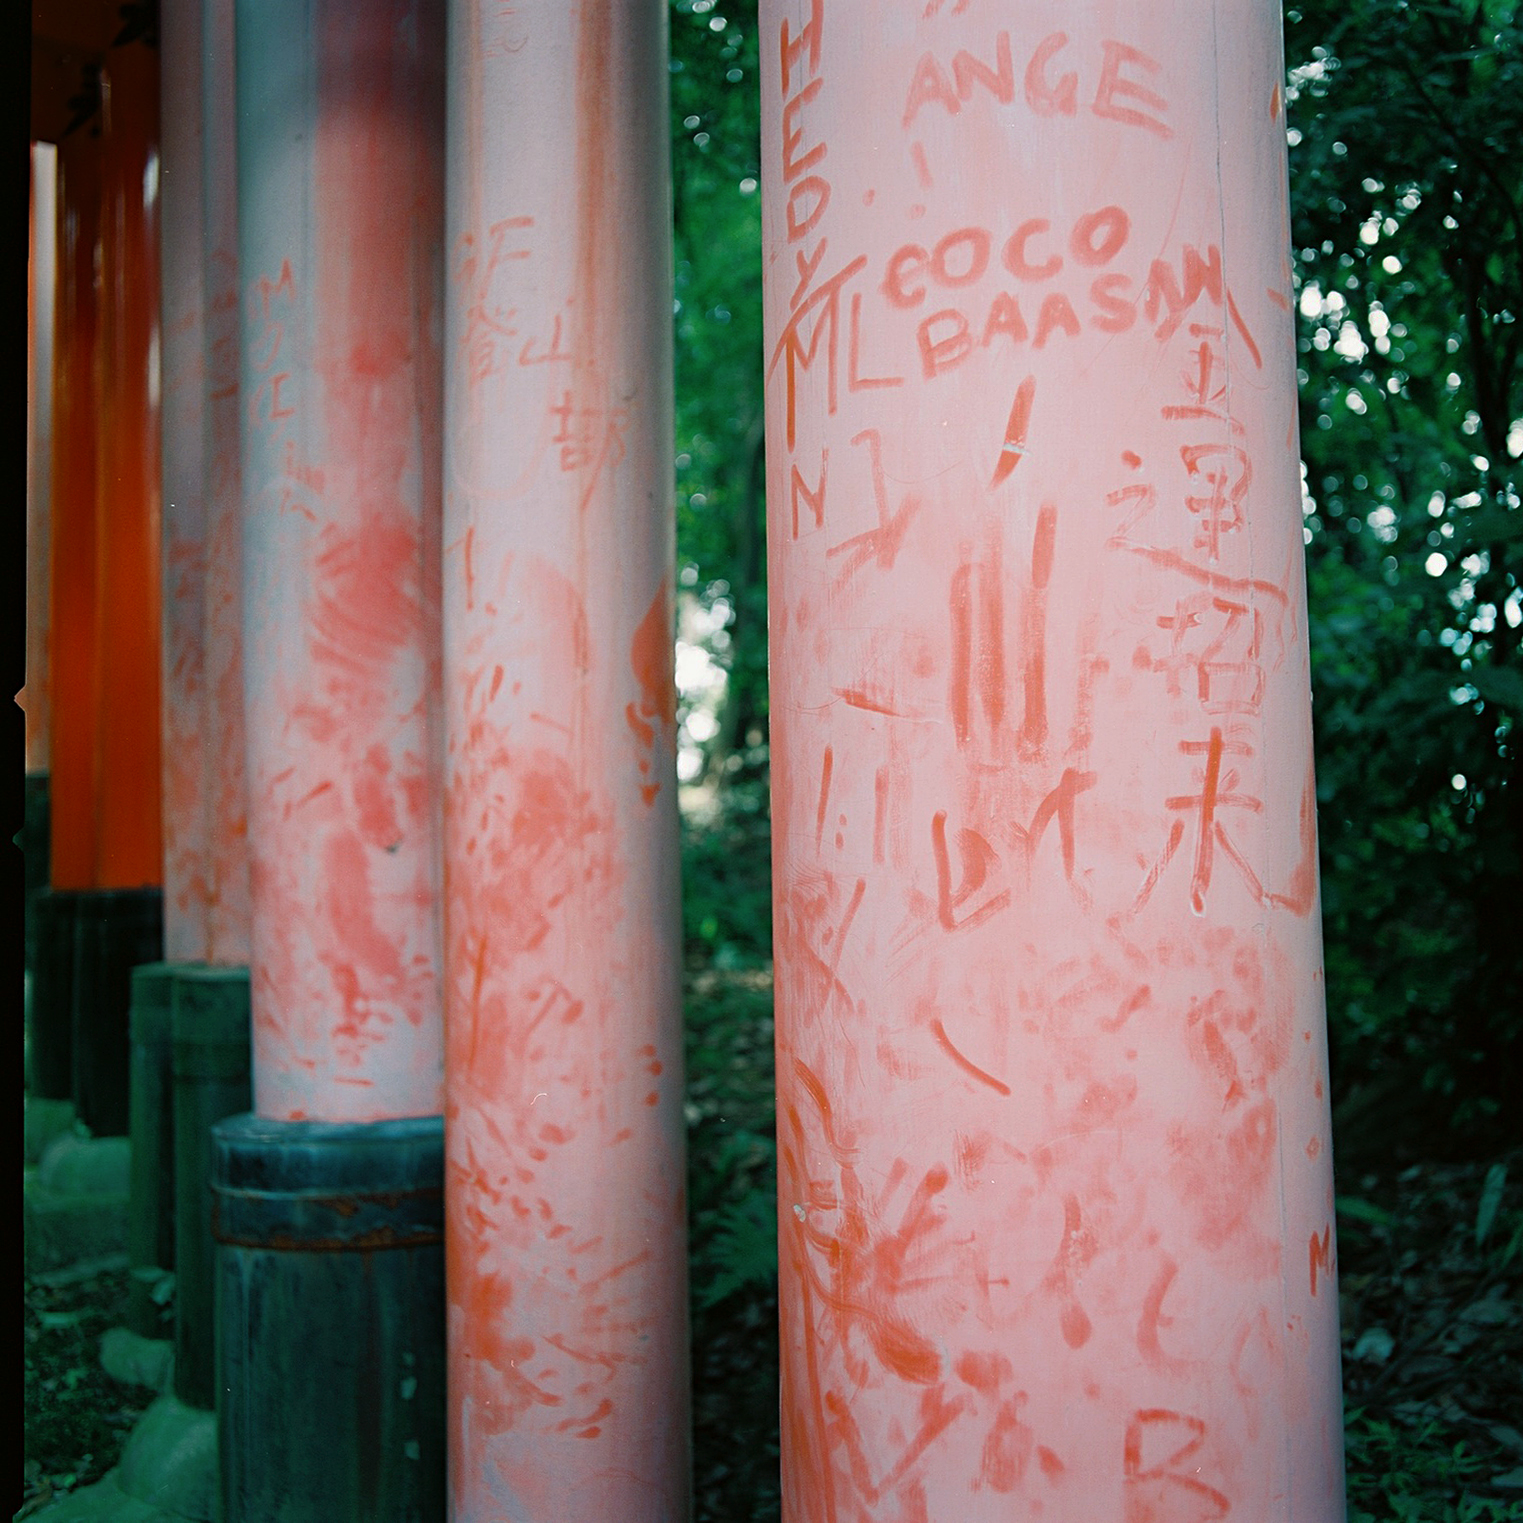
column 1415, row 1478
column 716, row 169
column 1406, row 120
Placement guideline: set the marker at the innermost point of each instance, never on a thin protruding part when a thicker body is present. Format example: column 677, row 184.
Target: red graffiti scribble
column 1014, row 445
column 978, row 856
column 979, row 660
column 1220, row 509
column 1301, row 892
column 937, row 1415
column 1058, row 805
column 1033, row 734
column 855, row 380
column 1075, row 1253
column 1156, row 1488
column 1135, row 1001
column 883, row 543
column 1216, row 793
column 1321, row 1255
column 798, row 487
column 1153, row 1318
column 826, row 763
column 1222, row 686
column 790, row 344
column 967, row 1065
column 650, row 659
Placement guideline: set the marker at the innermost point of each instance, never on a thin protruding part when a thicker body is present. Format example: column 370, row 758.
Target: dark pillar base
column 35, row 842
column 151, row 1213
column 50, row 1013
column 210, row 1025
column 330, row 1307
column 115, row 930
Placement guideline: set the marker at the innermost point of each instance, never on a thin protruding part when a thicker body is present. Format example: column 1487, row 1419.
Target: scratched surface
column 1055, row 1189
column 340, row 210
column 564, row 1134
column 183, row 406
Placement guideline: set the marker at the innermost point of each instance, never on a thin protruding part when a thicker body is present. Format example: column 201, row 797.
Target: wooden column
column 1056, row 1205
column 565, row 1186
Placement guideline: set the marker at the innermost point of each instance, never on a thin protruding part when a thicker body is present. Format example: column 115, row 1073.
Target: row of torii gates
column 1055, row 1192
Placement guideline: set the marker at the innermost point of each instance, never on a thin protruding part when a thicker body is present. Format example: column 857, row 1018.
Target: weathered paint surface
column 73, row 569
column 42, row 286
column 182, row 409
column 340, row 175
column 223, row 743
column 1055, row 1194
column 564, row 1132
column 129, row 846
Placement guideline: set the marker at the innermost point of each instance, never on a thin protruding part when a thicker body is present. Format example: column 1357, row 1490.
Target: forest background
column 1406, row 165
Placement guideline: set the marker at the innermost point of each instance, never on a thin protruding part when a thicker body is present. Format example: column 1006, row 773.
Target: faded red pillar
column 183, row 405
column 1055, row 1184
column 341, row 183
column 566, row 1252
column 73, row 571
column 129, row 849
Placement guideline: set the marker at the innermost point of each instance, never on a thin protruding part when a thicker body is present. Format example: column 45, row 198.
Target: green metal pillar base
column 115, row 930
column 210, row 1023
column 151, row 1214
column 330, row 1310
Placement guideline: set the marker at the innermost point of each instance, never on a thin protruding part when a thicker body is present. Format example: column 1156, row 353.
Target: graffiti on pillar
column 1035, row 570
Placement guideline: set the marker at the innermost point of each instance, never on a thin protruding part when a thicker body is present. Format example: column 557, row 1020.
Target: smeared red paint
column 1034, row 720
column 984, row 1372
column 1301, row 891
column 966, row 1064
column 1153, row 1319
column 650, row 658
column 826, row 763
column 1006, row 1452
column 1014, row 444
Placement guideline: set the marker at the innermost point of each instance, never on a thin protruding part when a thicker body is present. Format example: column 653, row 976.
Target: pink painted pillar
column 1055, row 1187
column 566, row 1253
column 223, row 751
column 341, row 182
column 182, row 411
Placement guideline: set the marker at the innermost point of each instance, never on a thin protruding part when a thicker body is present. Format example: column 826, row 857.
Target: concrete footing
column 74, row 1203
column 168, row 1473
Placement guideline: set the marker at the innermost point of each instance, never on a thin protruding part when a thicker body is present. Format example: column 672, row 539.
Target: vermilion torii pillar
column 565, row 1183
column 1055, row 1186
column 129, row 846
column 73, row 570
